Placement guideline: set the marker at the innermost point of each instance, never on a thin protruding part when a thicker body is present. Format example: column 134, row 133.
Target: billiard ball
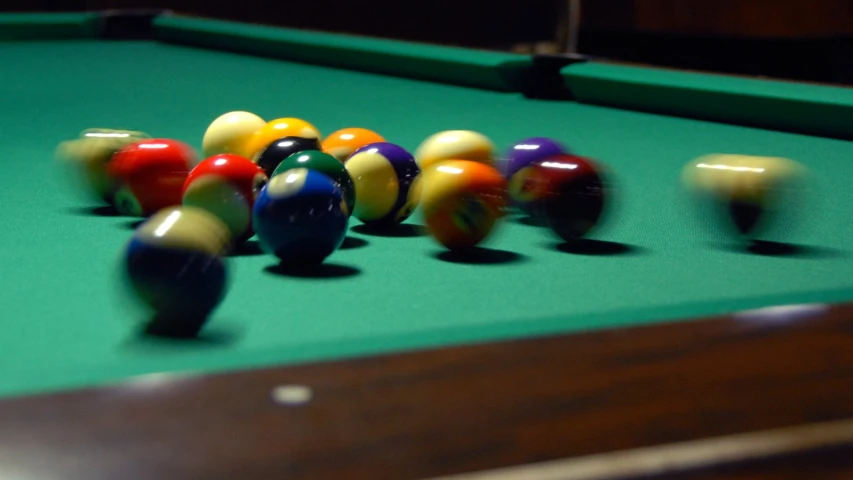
column 278, row 150
column 383, row 174
column 564, row 192
column 150, row 175
column 326, row 164
column 174, row 265
column 279, row 128
column 344, row 142
column 462, row 201
column 226, row 185
column 747, row 196
column 90, row 153
column 300, row 217
column 455, row 145
column 230, row 132
column 524, row 152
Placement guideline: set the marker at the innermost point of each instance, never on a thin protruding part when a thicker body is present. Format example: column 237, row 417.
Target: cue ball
column 150, row 175
column 226, row 185
column 270, row 157
column 455, row 145
column 300, row 217
column 174, row 264
column 747, row 196
column 384, row 175
column 230, row 132
column 462, row 201
column 344, row 142
column 325, row 164
column 564, row 192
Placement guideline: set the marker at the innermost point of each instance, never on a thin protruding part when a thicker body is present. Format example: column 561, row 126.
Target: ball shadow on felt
column 593, row 247
column 397, row 230
column 479, row 256
column 313, row 271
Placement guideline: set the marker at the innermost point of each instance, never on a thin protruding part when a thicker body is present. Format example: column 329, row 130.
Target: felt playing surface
column 65, row 324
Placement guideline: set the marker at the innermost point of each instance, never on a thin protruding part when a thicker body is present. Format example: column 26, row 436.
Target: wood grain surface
column 460, row 409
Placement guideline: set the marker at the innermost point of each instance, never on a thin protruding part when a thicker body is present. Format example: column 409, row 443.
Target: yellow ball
column 186, row 228
column 385, row 179
column 230, row 132
column 90, row 153
column 455, row 145
column 280, row 128
column 755, row 196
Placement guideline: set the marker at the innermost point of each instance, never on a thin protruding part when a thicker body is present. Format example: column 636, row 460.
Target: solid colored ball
column 522, row 153
column 300, row 217
column 564, row 192
column 230, row 132
column 326, row 164
column 277, row 151
column 174, row 264
column 383, row 175
column 280, row 128
column 754, row 197
column 455, row 145
column 150, row 175
column 462, row 201
column 345, row 142
column 226, row 185
column 90, row 153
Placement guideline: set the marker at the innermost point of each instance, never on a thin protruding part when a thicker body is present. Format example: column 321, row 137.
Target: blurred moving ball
column 567, row 193
column 150, row 175
column 748, row 197
column 462, row 202
column 89, row 155
column 175, row 265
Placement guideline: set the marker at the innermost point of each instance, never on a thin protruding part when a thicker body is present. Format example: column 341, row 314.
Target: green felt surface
column 787, row 106
column 460, row 66
column 66, row 325
column 30, row 26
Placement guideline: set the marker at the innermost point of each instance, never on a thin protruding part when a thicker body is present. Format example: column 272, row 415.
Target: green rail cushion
column 777, row 105
column 48, row 26
column 459, row 66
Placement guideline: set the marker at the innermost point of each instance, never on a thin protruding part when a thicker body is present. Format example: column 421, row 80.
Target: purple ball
column 524, row 152
column 383, row 175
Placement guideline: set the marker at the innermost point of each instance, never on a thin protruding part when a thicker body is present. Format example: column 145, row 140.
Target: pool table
column 609, row 358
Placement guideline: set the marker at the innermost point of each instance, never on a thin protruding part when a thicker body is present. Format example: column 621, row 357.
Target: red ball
column 226, row 185
column 565, row 192
column 150, row 175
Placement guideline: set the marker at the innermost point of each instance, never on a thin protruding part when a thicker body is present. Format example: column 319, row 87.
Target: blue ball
column 175, row 264
column 300, row 217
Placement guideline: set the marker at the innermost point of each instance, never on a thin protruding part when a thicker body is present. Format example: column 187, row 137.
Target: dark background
column 809, row 40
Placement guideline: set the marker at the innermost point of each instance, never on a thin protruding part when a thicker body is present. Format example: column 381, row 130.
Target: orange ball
column 344, row 142
column 462, row 202
column 276, row 129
